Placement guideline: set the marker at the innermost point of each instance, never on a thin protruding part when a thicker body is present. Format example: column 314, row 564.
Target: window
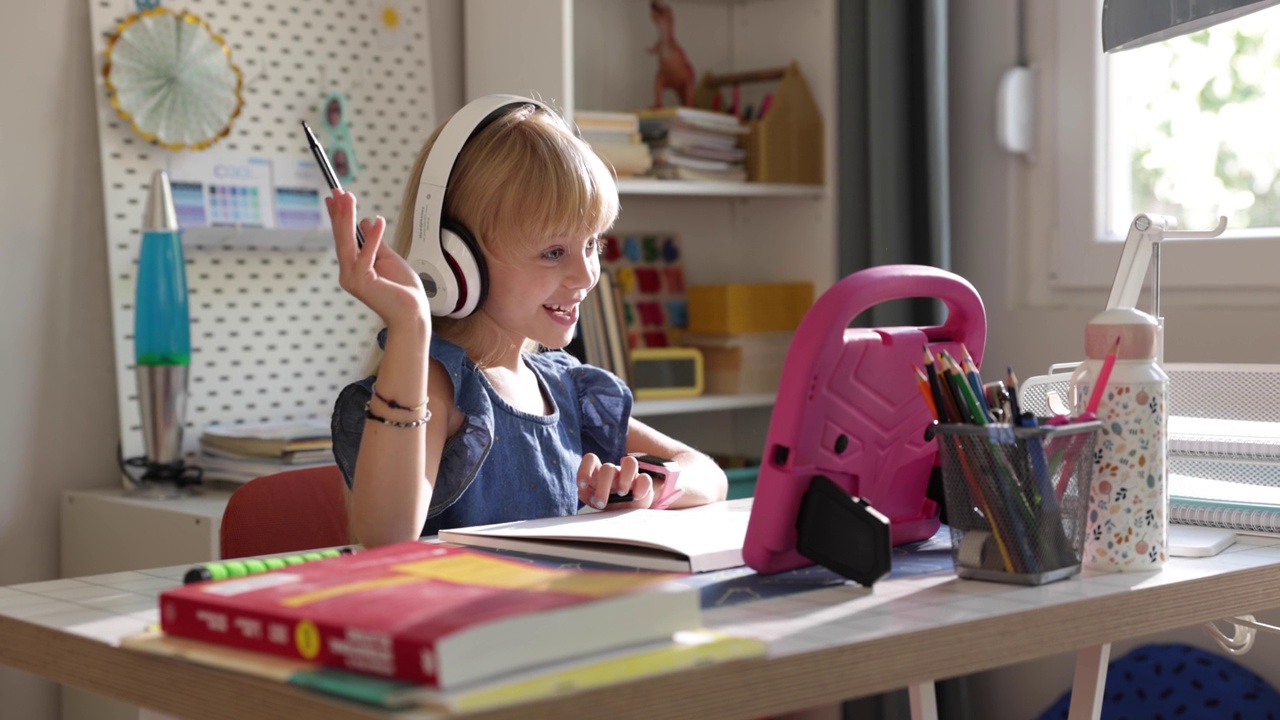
column 1184, row 128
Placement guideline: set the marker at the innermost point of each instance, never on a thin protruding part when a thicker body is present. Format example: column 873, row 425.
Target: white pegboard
column 273, row 336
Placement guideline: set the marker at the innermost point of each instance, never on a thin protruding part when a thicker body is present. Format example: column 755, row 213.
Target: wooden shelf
column 704, row 403
column 694, row 188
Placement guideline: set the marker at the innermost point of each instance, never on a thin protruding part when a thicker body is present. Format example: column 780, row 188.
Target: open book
column 694, row 540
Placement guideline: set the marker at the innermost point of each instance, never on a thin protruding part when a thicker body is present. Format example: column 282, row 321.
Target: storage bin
column 748, row 307
column 741, row 363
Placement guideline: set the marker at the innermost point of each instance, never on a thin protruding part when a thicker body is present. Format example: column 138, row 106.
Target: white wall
column 991, row 251
column 58, row 419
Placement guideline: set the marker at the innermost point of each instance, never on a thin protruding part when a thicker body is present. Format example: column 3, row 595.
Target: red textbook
column 432, row 614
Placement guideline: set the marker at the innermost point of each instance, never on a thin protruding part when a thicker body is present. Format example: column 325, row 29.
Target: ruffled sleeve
column 347, row 425
column 604, row 403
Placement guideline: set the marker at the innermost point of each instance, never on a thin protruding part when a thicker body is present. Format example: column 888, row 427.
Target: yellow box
column 748, row 307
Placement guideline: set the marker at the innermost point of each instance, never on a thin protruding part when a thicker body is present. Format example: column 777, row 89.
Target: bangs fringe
column 549, row 184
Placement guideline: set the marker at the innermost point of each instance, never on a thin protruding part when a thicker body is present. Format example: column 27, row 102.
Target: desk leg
column 924, row 701
column 1090, row 683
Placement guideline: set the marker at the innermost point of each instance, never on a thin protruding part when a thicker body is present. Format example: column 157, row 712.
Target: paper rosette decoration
column 172, row 78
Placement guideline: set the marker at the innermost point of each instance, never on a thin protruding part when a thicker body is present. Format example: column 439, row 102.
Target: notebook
column 1219, row 437
column 1223, row 503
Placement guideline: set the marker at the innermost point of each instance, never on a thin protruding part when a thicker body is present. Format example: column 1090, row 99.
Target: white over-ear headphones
column 443, row 252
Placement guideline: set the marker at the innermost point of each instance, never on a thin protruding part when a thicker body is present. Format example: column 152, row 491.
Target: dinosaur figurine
column 674, row 69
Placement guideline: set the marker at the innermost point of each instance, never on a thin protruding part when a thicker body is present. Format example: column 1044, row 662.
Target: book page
column 688, row 533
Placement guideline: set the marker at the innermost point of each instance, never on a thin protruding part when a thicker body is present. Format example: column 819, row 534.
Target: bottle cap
column 1139, row 335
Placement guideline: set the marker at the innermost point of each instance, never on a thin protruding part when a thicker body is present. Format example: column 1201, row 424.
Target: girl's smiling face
column 536, row 293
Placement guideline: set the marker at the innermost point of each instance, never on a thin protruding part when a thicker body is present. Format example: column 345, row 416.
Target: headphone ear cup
column 466, row 260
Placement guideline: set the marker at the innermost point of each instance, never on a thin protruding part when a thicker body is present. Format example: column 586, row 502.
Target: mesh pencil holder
column 1017, row 499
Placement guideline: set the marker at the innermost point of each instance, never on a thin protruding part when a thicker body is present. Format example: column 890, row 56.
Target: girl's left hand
column 596, row 481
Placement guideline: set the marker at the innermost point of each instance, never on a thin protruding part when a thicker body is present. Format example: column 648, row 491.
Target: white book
column 694, row 540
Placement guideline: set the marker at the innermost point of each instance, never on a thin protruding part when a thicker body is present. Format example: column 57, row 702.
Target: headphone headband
column 426, row 253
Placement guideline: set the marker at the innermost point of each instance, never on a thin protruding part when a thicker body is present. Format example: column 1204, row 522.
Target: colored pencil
column 1095, row 397
column 946, row 411
column 922, row 382
column 975, row 380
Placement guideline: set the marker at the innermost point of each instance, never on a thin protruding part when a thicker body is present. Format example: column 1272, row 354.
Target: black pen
column 327, row 169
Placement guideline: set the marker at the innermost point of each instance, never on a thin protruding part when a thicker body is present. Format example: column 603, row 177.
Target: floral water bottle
column 1129, row 498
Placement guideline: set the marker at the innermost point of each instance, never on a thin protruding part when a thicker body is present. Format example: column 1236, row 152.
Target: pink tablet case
column 849, row 409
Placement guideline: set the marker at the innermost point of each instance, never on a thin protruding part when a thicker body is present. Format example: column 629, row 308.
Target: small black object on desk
column 843, row 533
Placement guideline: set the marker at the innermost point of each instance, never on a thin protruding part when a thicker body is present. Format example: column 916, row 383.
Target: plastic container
column 1129, row 501
column 1017, row 499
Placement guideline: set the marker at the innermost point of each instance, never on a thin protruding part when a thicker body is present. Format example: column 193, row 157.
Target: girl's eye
column 553, row 254
column 596, row 245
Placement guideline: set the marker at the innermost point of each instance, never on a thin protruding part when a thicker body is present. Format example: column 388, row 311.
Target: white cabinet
column 106, row 531
column 592, row 55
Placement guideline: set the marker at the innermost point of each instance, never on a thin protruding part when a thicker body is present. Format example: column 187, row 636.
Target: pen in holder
column 1017, row 498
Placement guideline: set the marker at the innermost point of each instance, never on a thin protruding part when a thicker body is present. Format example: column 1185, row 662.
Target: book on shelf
column 606, row 120
column 1220, row 437
column 666, row 156
column 626, row 159
column 431, row 614
column 688, row 541
column 686, row 649
column 615, row 335
column 696, row 118
column 1215, row 502
column 269, row 439
column 611, row 137
column 229, row 467
column 601, row 338
column 735, row 174
column 680, row 136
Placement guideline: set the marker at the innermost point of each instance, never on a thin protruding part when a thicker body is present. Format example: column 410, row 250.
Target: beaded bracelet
column 395, row 405
column 395, row 423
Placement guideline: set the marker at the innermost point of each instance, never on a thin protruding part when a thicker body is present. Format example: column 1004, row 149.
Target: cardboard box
column 741, row 364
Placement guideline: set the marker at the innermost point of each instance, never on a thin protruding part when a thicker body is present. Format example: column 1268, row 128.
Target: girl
column 467, row 422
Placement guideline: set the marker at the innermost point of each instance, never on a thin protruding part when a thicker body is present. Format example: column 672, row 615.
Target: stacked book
column 615, row 136
column 242, row 452
column 695, row 144
column 1224, row 473
column 426, row 624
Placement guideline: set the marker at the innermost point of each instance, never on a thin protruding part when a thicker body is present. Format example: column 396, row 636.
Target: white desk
column 108, row 531
column 825, row 646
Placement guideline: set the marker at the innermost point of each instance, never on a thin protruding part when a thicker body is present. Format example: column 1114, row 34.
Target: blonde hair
column 521, row 179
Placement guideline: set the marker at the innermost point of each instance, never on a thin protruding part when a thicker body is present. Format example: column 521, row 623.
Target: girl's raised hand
column 596, row 481
column 375, row 274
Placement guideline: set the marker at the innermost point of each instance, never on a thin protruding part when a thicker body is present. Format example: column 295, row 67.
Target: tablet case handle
column 966, row 317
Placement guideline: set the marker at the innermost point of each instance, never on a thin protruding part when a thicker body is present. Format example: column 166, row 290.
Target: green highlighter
column 253, row 566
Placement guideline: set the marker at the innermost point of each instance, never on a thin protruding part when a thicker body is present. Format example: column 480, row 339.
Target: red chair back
column 290, row 511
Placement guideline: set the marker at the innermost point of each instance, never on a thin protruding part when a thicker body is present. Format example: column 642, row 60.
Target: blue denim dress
column 504, row 464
